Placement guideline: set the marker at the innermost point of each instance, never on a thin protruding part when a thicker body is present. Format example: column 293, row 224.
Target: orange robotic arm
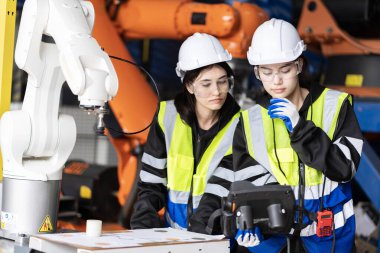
column 135, row 103
column 233, row 25
column 317, row 26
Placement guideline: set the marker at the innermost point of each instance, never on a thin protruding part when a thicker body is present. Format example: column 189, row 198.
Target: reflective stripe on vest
column 180, row 160
column 157, row 163
column 259, row 129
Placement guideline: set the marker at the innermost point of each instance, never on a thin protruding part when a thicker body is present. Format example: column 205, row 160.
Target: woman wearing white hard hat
column 307, row 138
column 188, row 139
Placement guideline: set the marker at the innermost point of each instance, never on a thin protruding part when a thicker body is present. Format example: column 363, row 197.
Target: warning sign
column 46, row 226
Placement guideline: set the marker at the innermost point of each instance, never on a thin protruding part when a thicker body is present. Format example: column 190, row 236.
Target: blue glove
column 282, row 108
column 249, row 238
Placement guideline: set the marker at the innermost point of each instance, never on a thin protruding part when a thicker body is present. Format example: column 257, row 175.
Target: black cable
column 129, row 133
column 323, row 191
column 140, row 67
column 333, row 242
column 155, row 85
column 311, row 105
column 275, row 149
column 113, row 12
column 108, row 4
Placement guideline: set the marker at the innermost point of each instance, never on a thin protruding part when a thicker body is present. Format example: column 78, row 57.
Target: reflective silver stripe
column 309, row 230
column 346, row 151
column 150, row 178
column 169, row 122
column 315, row 191
column 271, row 179
column 329, row 110
column 258, row 137
column 224, row 173
column 154, row 162
column 340, row 219
column 217, row 190
column 172, row 224
column 222, row 148
column 179, row 197
column 357, row 143
column 196, row 200
column 247, row 172
column 264, row 180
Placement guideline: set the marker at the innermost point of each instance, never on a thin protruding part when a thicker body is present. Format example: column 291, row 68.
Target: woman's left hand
column 283, row 109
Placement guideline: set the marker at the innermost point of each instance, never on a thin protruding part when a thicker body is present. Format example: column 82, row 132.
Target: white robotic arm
column 86, row 68
column 54, row 44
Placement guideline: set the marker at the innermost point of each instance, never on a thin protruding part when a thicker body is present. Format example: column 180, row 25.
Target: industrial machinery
column 54, row 45
column 352, row 63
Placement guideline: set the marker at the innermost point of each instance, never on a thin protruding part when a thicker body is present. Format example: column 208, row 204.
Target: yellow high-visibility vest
column 258, row 129
column 180, row 159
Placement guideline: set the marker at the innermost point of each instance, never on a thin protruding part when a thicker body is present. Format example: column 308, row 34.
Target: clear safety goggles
column 209, row 88
column 288, row 71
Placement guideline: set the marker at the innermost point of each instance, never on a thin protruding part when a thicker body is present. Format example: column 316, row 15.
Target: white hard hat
column 200, row 50
column 275, row 41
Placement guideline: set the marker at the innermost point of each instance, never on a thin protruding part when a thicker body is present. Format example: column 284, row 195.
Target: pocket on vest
column 180, row 171
column 287, row 159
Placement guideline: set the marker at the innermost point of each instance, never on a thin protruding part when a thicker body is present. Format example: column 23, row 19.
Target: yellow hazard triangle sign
column 46, row 225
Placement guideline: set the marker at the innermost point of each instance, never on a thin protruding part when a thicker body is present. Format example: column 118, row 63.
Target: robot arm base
column 15, row 135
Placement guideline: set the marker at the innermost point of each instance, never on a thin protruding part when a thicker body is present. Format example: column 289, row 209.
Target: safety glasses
column 288, row 71
column 209, row 88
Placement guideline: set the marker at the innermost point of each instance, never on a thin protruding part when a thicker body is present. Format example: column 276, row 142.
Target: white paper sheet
column 130, row 238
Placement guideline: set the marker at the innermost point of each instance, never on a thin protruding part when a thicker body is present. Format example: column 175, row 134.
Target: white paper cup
column 93, row 228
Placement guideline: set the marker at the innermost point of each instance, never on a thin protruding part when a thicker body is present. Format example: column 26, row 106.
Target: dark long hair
column 184, row 101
